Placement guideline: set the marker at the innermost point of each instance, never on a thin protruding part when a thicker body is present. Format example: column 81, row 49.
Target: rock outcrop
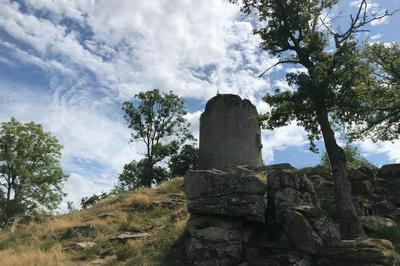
column 227, row 194
column 359, row 252
column 281, row 219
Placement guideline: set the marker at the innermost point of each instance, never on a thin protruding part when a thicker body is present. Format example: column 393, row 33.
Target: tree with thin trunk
column 157, row 120
column 31, row 176
column 323, row 94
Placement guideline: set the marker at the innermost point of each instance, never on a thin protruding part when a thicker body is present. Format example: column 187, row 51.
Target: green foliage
column 156, row 119
column 30, row 169
column 134, row 175
column 92, row 200
column 187, row 158
column 354, row 158
column 380, row 116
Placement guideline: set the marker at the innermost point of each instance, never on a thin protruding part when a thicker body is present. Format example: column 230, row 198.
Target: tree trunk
column 349, row 222
column 8, row 200
column 148, row 173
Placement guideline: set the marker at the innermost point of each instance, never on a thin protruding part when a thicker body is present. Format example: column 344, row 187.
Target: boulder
column 214, row 240
column 389, row 180
column 125, row 237
column 309, row 229
column 78, row 231
column 389, row 171
column 376, row 223
column 363, row 187
column 277, row 257
column 280, row 166
column 288, row 189
column 220, row 193
column 356, row 176
column 80, row 246
column 367, row 171
column 359, row 252
column 301, row 234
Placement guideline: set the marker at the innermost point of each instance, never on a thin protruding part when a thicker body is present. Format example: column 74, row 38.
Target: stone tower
column 229, row 133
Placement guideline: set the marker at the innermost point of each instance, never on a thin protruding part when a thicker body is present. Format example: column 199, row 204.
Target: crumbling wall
column 229, row 133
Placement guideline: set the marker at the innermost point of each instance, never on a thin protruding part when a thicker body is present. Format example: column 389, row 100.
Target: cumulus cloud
column 94, row 55
column 373, row 8
column 282, row 138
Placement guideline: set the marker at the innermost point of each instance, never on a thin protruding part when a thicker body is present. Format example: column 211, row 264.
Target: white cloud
column 391, row 149
column 282, row 138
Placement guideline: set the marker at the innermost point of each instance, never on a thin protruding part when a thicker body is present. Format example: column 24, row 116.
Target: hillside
column 136, row 228
column 273, row 215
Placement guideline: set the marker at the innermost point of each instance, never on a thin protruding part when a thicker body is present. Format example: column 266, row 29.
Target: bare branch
column 279, row 63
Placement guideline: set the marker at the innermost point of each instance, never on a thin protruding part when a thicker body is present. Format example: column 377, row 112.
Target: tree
column 354, row 158
column 134, row 176
column 30, row 170
column 324, row 95
column 157, row 120
column 187, row 158
column 87, row 202
column 380, row 117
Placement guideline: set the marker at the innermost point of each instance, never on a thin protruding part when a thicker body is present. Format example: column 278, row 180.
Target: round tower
column 229, row 133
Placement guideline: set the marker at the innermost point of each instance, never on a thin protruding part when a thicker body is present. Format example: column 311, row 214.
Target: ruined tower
column 229, row 133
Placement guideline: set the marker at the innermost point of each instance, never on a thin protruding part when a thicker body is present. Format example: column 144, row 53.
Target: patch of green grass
column 47, row 244
column 14, row 240
column 124, row 252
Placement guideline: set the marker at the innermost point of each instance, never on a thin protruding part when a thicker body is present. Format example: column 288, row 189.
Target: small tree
column 156, row 119
column 30, row 169
column 187, row 158
column 354, row 158
column 133, row 175
column 324, row 95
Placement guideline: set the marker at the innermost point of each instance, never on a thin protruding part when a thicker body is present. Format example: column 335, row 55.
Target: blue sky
column 69, row 64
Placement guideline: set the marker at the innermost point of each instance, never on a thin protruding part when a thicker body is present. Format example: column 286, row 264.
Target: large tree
column 380, row 117
column 156, row 119
column 30, row 171
column 324, row 95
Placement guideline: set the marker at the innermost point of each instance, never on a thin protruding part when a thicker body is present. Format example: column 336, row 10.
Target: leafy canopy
column 380, row 116
column 30, row 169
column 156, row 119
column 187, row 158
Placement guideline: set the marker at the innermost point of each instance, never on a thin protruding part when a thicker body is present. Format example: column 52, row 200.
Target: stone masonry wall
column 229, row 133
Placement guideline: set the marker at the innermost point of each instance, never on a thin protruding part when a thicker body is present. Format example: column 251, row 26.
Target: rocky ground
column 274, row 216
column 292, row 220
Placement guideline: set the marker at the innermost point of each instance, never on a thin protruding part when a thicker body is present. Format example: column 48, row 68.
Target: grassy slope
column 160, row 212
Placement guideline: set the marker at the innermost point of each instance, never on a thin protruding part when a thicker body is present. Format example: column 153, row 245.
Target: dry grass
column 31, row 255
column 41, row 243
